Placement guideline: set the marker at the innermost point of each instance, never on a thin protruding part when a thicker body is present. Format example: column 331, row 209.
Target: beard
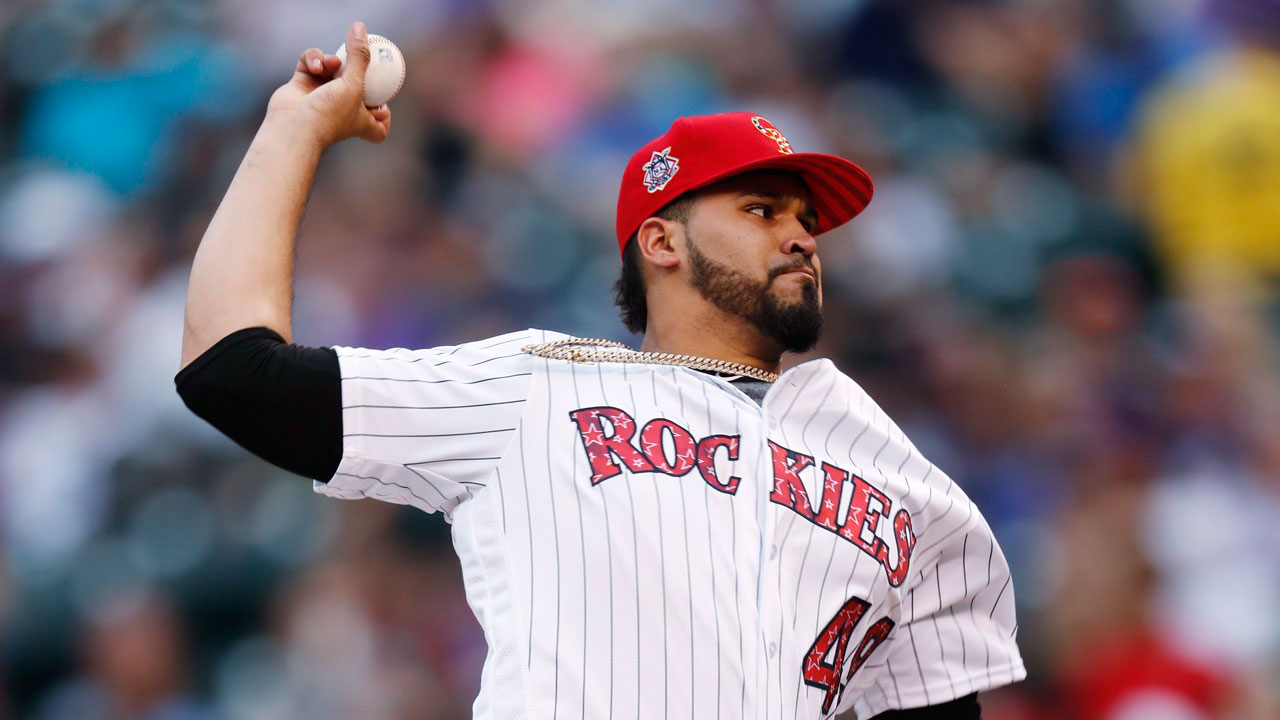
column 796, row 326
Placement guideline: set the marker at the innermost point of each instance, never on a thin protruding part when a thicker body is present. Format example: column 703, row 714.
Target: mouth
column 808, row 272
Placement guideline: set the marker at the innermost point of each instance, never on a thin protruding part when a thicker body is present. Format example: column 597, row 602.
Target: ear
column 660, row 242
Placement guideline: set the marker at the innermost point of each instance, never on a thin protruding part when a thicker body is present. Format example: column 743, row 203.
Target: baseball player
column 674, row 531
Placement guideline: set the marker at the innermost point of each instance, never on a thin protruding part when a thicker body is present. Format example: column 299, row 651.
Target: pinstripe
column 995, row 604
column 403, row 361
column 460, row 459
column 942, row 647
column 925, row 550
column 737, row 594
column 817, row 620
column 688, row 572
column 857, row 557
column 635, row 547
column 915, row 653
column 608, row 540
column 776, row 661
column 436, row 382
column 426, row 481
column 662, row 562
column 706, row 506
column 776, row 664
column 533, row 570
column 859, row 470
column 893, row 678
column 582, row 547
column 804, row 561
column 385, row 482
column 433, row 407
column 875, row 464
column 452, row 350
column 964, row 570
column 555, row 533
column 985, row 644
column 430, row 435
column 502, row 498
column 678, row 385
column 875, row 459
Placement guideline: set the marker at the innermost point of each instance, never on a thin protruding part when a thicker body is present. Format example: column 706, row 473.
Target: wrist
column 289, row 129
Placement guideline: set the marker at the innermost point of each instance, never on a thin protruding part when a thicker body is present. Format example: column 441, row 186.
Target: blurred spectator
column 1208, row 151
column 1112, row 661
column 135, row 667
column 117, row 113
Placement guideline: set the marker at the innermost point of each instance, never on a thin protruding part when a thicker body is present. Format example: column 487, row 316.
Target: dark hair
column 628, row 291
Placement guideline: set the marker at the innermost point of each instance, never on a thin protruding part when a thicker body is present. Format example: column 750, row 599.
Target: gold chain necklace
column 592, row 350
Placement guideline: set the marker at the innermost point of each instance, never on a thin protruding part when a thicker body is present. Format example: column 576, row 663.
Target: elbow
column 190, row 347
column 197, row 337
column 282, row 402
column 202, row 331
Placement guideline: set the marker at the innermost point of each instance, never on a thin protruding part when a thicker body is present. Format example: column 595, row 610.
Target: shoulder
column 492, row 365
column 924, row 488
column 492, row 349
column 858, row 401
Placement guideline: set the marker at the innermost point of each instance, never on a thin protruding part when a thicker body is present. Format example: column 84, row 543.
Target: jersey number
column 824, row 664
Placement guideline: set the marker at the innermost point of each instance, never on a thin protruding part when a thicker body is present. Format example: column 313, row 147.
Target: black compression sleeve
column 281, row 402
column 965, row 708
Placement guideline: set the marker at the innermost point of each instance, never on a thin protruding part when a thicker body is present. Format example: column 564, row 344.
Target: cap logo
column 768, row 130
column 660, row 169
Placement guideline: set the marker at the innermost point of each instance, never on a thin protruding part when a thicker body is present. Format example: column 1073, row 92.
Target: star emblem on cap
column 660, row 169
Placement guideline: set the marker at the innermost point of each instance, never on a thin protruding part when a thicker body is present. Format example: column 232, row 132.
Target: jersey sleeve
column 427, row 427
column 957, row 633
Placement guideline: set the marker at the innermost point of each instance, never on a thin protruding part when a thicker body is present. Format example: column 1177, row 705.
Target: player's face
column 751, row 254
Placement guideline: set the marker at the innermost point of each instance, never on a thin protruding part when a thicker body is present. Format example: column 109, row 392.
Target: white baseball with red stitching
column 385, row 76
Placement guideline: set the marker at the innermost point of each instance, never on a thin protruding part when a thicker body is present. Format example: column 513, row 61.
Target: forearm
column 243, row 270
column 242, row 275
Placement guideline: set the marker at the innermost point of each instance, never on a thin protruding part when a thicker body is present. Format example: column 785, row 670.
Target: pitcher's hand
column 327, row 105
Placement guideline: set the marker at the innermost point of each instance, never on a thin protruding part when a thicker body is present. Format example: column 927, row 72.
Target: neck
column 730, row 339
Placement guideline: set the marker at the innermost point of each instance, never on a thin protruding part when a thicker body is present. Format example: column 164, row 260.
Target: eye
column 809, row 224
column 763, row 211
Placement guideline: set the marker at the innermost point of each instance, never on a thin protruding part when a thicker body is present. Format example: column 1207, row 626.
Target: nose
column 798, row 240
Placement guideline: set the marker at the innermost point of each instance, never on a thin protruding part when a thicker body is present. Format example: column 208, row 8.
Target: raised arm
column 242, row 275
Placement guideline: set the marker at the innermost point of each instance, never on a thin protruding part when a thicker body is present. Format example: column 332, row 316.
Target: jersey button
column 773, row 551
column 773, row 650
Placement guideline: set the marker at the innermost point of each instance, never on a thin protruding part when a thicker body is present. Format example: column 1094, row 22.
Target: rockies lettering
column 607, row 438
column 609, row 451
column 647, row 541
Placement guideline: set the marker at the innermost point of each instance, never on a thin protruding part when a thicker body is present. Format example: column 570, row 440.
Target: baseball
column 385, row 75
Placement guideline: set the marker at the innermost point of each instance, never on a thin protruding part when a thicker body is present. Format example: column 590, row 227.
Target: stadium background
column 1065, row 291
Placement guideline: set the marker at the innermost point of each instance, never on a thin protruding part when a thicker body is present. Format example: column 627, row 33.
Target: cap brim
column 839, row 189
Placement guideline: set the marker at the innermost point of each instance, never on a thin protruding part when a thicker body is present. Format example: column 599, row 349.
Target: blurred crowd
column 1065, row 291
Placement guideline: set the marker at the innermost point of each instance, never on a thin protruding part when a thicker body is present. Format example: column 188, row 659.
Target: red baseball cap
column 703, row 149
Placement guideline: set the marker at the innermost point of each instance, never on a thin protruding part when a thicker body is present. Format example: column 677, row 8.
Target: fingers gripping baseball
column 316, row 66
column 326, row 94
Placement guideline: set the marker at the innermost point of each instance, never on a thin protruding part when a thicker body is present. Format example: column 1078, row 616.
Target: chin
column 795, row 325
column 795, row 285
column 805, row 294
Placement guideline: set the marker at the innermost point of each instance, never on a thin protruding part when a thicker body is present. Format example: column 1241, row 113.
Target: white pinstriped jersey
column 645, row 541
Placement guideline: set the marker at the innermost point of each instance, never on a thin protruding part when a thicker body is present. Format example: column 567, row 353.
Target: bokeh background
column 1065, row 291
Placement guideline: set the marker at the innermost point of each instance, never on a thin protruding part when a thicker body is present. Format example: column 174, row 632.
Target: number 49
column 824, row 663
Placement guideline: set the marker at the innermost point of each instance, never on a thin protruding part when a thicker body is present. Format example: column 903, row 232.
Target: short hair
column 629, row 290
